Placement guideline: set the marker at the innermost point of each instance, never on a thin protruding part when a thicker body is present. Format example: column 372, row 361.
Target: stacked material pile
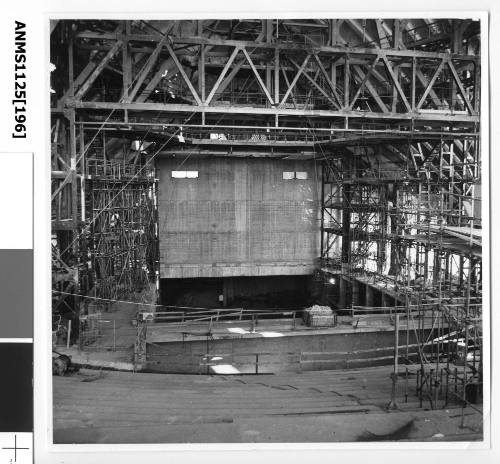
column 319, row 316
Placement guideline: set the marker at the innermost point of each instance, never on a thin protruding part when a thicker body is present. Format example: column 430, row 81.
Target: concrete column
column 386, row 300
column 342, row 292
column 369, row 296
column 355, row 293
column 228, row 291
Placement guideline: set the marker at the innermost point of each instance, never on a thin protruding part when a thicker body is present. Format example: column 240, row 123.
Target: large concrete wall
column 238, row 218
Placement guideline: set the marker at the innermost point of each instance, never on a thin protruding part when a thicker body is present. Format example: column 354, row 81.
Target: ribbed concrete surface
column 119, row 407
column 238, row 218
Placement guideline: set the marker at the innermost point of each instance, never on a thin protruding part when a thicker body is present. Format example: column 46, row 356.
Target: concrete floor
column 323, row 406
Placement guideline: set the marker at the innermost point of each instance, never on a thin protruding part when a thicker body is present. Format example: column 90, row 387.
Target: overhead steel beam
column 295, row 79
column 460, row 86
column 181, row 108
column 222, row 75
column 147, row 68
column 327, row 78
column 395, row 80
column 401, row 46
column 166, row 66
column 430, row 84
column 371, row 88
column 363, row 82
column 183, row 73
column 282, row 46
column 382, row 36
column 97, row 71
column 315, row 84
column 227, row 80
column 257, row 76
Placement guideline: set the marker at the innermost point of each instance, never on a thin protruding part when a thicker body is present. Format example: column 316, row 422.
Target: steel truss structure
column 279, row 72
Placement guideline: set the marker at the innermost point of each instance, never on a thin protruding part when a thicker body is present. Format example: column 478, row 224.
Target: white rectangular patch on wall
column 300, row 175
column 185, row 174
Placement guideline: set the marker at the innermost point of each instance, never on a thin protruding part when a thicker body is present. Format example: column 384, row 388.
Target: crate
column 322, row 321
column 319, row 316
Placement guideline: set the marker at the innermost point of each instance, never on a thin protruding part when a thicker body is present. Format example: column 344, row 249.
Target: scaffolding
column 413, row 233
column 122, row 248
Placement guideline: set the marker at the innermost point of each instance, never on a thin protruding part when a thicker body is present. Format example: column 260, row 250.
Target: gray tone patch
column 16, row 293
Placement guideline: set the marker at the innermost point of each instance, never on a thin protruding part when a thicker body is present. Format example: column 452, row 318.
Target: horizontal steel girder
column 180, row 108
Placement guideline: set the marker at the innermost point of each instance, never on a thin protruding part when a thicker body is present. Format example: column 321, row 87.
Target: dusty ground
column 325, row 406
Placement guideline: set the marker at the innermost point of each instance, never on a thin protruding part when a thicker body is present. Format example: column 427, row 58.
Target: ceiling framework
column 276, row 78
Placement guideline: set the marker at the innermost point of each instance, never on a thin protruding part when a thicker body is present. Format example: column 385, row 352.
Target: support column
column 228, row 291
column 396, row 34
column 342, row 301
column 393, row 228
column 456, row 44
column 369, row 296
column 355, row 293
column 126, row 62
column 346, row 226
column 386, row 300
column 346, row 246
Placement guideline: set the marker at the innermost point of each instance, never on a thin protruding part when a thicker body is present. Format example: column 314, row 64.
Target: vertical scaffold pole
column 394, row 376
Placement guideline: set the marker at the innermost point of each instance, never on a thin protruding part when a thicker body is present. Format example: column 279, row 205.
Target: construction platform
column 279, row 345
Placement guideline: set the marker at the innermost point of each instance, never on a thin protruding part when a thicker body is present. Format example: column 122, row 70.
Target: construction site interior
column 266, row 230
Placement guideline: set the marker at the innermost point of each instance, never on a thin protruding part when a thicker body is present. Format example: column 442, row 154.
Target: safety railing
column 114, row 170
column 215, row 315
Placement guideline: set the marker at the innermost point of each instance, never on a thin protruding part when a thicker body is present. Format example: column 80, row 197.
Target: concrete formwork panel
column 239, row 217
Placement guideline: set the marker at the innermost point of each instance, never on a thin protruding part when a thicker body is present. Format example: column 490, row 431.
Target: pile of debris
column 319, row 316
